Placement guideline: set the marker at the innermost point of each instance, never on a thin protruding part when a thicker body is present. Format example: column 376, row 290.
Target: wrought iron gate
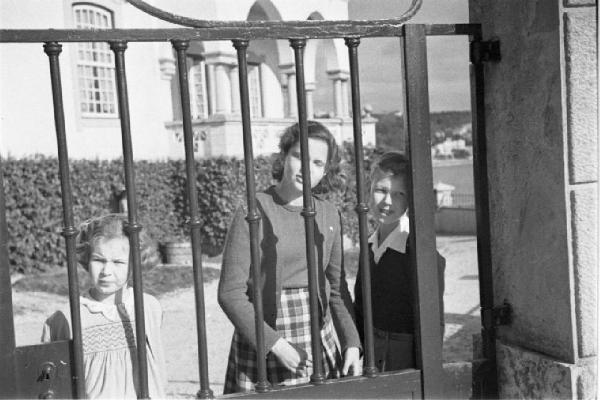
column 56, row 369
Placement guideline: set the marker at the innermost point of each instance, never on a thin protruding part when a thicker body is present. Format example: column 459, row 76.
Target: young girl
column 108, row 317
column 392, row 272
column 285, row 274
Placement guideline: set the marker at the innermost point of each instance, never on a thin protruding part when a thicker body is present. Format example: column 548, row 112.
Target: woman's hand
column 290, row 356
column 352, row 360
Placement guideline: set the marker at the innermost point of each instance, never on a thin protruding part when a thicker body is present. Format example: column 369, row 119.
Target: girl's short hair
column 391, row 163
column 316, row 130
column 110, row 226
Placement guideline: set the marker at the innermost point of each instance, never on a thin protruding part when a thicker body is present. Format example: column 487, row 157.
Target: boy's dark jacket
column 393, row 297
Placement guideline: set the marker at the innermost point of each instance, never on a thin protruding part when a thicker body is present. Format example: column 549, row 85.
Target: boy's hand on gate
column 352, row 360
column 289, row 356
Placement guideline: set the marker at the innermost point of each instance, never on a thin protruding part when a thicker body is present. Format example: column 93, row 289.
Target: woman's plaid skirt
column 294, row 325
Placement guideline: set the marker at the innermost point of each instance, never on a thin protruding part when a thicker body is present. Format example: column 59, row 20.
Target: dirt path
column 180, row 341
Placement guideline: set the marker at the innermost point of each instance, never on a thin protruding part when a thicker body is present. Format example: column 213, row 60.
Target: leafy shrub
column 461, row 153
column 34, row 205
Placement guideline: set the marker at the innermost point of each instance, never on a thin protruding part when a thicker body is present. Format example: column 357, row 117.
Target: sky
column 448, row 61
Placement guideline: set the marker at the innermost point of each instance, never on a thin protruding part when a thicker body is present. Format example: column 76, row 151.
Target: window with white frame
column 95, row 64
column 254, row 91
column 198, row 90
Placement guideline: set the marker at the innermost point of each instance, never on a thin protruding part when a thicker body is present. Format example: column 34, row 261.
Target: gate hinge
column 497, row 316
column 485, row 50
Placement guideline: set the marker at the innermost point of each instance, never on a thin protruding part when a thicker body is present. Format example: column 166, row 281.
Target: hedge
column 34, row 204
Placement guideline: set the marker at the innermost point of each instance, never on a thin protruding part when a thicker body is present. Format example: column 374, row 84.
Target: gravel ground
column 461, row 302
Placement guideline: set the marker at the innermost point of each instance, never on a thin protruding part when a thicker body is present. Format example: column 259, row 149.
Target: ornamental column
column 235, row 89
column 310, row 108
column 220, row 82
column 284, row 95
column 337, row 97
column 292, row 99
column 168, row 67
column 340, row 94
column 345, row 105
column 212, row 91
column 288, row 83
column 223, row 89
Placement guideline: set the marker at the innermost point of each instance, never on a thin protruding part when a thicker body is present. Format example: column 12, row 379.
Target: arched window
column 95, row 64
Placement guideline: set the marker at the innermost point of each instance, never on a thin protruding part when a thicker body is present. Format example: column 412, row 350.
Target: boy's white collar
column 396, row 240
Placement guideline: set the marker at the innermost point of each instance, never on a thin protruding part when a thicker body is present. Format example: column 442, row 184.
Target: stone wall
column 541, row 107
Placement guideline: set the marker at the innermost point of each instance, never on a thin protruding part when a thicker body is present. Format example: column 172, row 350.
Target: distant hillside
column 390, row 130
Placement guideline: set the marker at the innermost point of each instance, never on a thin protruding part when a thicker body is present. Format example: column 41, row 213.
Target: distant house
column 88, row 82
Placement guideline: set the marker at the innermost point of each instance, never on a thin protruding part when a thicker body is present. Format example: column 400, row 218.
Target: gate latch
column 503, row 314
column 47, row 375
column 497, row 316
column 47, row 371
column 485, row 50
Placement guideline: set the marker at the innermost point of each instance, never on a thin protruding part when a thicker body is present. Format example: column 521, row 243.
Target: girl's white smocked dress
column 109, row 346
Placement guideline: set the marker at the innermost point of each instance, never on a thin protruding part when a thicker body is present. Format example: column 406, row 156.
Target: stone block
column 584, row 225
column 587, row 372
column 581, row 63
column 524, row 374
column 579, row 3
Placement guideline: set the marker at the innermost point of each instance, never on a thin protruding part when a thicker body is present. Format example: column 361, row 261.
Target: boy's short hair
column 391, row 163
column 110, row 226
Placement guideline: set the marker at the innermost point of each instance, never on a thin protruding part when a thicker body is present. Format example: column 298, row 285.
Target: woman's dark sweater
column 281, row 237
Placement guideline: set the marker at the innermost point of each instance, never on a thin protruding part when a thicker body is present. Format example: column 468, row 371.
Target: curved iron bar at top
column 200, row 23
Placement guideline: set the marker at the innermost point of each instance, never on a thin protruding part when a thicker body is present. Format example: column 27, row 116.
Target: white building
column 88, row 83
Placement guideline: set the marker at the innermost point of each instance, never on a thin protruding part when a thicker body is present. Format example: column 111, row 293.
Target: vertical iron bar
column 362, row 208
column 421, row 209
column 308, row 212
column 133, row 227
column 53, row 49
column 7, row 327
column 489, row 385
column 181, row 47
column 253, row 217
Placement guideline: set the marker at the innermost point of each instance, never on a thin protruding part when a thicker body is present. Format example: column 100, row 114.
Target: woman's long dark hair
column 316, row 130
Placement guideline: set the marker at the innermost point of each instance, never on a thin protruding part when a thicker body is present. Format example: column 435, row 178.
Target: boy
column 392, row 273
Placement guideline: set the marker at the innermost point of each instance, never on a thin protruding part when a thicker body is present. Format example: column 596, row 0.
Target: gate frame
column 427, row 381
